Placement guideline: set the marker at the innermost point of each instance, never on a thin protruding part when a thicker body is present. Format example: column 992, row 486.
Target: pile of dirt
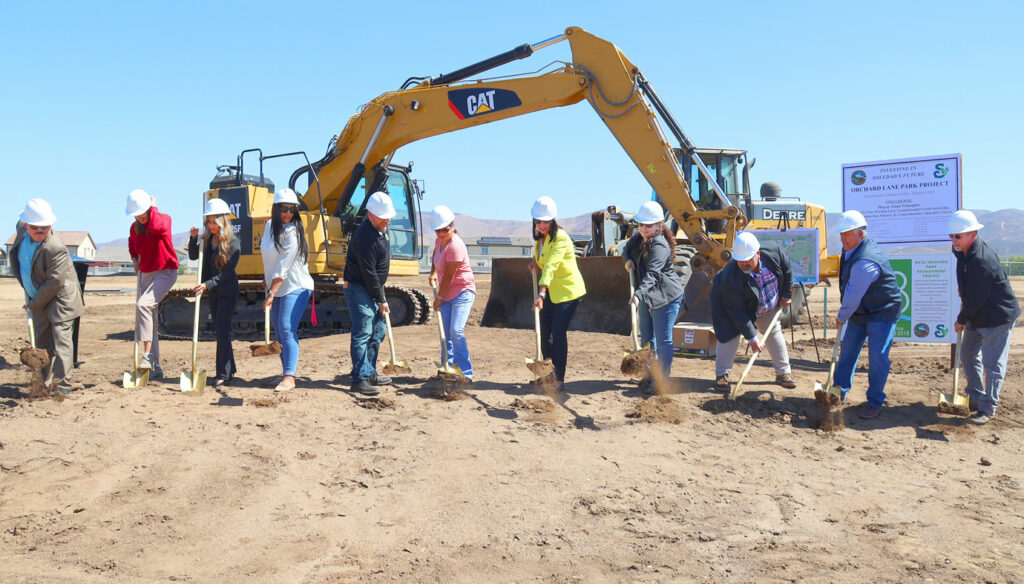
column 539, row 406
column 34, row 359
column 376, row 403
column 954, row 410
column 658, row 408
column 831, row 415
column 271, row 402
column 395, row 369
column 264, row 350
column 636, row 363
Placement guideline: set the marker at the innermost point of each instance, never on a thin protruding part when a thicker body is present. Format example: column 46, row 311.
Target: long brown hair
column 667, row 234
column 223, row 241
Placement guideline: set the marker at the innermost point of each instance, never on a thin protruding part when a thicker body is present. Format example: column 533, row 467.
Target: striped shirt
column 769, row 286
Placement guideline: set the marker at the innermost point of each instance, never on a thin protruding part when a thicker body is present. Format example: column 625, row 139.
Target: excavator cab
column 732, row 173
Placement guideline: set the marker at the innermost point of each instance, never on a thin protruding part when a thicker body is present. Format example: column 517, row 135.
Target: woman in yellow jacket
column 560, row 286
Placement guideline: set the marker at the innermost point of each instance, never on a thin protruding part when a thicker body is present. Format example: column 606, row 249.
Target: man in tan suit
column 43, row 267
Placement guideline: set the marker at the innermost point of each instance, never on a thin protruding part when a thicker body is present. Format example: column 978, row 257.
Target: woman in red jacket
column 156, row 265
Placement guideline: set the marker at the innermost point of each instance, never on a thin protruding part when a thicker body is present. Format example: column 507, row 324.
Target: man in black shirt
column 366, row 271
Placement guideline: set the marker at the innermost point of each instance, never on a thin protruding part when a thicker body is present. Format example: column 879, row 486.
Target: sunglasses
column 38, row 227
column 958, row 236
column 289, row 209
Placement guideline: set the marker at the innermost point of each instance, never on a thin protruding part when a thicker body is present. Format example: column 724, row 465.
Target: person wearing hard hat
column 221, row 250
column 746, row 294
column 870, row 308
column 367, row 263
column 284, row 252
column 988, row 310
column 651, row 252
column 151, row 247
column 560, row 286
column 43, row 267
column 452, row 277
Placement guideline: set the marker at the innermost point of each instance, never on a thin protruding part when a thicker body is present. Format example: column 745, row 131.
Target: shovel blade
column 135, row 379
column 396, row 368
column 192, row 380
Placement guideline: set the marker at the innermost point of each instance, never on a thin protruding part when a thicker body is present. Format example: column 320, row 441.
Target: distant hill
column 1004, row 230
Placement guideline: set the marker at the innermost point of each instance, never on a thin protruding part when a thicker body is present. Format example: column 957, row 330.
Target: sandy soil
column 505, row 485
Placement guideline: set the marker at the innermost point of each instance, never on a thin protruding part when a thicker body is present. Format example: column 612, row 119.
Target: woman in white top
column 286, row 275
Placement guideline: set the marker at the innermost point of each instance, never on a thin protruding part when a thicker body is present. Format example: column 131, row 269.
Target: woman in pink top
column 452, row 277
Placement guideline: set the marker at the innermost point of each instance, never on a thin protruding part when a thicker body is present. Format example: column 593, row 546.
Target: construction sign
column 907, row 200
column 929, row 298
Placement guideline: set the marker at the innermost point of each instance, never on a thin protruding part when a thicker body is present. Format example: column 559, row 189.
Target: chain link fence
column 1013, row 268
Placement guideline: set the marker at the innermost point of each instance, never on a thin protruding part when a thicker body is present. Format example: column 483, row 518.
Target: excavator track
column 426, row 307
column 175, row 312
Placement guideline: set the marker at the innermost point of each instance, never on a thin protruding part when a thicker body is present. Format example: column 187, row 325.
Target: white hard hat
column 286, row 195
column 380, row 205
column 139, row 202
column 38, row 212
column 544, row 209
column 440, row 217
column 745, row 247
column 216, row 207
column 650, row 212
column 963, row 221
column 849, row 221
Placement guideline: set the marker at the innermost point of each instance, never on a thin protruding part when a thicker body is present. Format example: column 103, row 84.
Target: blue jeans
column 988, row 347
column 879, row 336
column 285, row 314
column 454, row 315
column 368, row 330
column 554, row 324
column 656, row 329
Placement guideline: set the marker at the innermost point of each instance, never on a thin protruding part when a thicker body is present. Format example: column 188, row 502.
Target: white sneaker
column 146, row 362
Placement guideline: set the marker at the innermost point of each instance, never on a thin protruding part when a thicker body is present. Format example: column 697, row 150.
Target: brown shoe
column 785, row 380
column 722, row 381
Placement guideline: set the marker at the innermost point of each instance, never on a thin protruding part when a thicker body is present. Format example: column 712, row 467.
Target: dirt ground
column 320, row 485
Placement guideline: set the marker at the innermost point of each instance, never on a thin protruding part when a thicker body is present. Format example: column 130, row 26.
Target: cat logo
column 467, row 103
column 235, row 209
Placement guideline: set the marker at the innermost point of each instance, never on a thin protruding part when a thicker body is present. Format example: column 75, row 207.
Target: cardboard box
column 694, row 339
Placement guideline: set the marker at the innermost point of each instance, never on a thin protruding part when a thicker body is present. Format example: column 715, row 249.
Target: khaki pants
column 774, row 341
column 55, row 339
column 153, row 286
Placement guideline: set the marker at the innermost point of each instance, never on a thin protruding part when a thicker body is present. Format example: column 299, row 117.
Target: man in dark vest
column 988, row 309
column 870, row 308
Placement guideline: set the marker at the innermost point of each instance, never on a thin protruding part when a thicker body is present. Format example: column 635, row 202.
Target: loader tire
column 405, row 308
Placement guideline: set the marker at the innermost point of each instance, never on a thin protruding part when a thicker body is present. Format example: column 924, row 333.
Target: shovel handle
column 956, row 365
column 536, row 314
column 633, row 315
column 440, row 330
column 195, row 318
column 835, row 357
column 753, row 357
column 266, row 325
column 31, row 328
column 391, row 337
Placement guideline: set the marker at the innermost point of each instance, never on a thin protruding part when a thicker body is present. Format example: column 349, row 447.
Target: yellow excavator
column 359, row 162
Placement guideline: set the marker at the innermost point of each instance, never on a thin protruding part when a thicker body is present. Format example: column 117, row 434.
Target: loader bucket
column 604, row 309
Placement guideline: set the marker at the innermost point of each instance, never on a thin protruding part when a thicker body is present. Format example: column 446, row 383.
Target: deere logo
column 940, row 170
column 858, row 177
column 467, row 103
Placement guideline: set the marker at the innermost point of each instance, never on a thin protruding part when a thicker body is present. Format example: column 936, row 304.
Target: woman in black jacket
column 221, row 250
column 659, row 291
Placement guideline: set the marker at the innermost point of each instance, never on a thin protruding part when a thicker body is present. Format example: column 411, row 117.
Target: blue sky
column 98, row 99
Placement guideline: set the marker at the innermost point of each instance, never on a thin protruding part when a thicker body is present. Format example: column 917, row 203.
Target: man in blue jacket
column 988, row 310
column 746, row 294
column 870, row 308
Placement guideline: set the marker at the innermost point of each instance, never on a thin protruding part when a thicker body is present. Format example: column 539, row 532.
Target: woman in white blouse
column 286, row 275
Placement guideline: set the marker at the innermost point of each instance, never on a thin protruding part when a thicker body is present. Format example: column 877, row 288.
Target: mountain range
column 1004, row 230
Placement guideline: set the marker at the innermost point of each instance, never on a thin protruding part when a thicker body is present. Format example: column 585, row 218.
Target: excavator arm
column 599, row 73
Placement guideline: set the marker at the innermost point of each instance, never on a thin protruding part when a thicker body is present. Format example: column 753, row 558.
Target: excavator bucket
column 604, row 309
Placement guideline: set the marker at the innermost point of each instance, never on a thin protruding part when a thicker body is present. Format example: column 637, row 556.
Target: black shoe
column 363, row 386
column 377, row 379
column 79, row 364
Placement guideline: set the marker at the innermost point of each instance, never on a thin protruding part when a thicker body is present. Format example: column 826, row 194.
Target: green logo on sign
column 940, row 170
column 903, row 269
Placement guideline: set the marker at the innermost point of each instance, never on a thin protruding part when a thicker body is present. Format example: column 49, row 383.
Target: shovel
column 268, row 347
column 33, row 357
column 828, row 389
column 955, row 403
column 195, row 380
column 444, row 371
column 136, row 377
column 394, row 366
column 634, row 362
column 746, row 370
column 540, row 366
